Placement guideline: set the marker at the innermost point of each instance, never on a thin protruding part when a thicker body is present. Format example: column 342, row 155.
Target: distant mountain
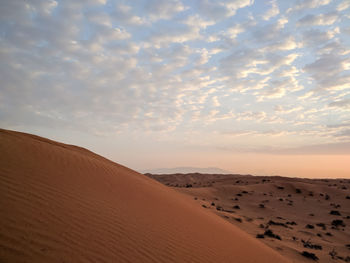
column 185, row 170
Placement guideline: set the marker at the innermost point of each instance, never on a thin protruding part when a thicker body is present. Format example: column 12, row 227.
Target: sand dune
column 62, row 203
column 303, row 213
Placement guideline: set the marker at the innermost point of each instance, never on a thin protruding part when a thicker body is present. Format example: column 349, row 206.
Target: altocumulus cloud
column 178, row 66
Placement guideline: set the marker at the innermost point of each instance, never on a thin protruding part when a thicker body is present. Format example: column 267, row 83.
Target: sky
column 260, row 87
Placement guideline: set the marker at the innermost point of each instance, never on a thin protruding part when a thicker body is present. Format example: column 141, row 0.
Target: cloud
column 168, row 34
column 329, row 71
column 318, row 20
column 271, row 93
column 342, row 148
column 158, row 66
column 306, row 4
column 218, row 10
column 318, row 149
column 315, row 37
column 344, row 134
column 272, row 11
column 343, row 6
column 249, row 116
column 233, row 32
column 341, row 104
column 306, row 95
column 346, row 30
column 284, row 110
column 285, row 44
column 124, row 14
column 341, row 125
column 163, row 9
column 197, row 21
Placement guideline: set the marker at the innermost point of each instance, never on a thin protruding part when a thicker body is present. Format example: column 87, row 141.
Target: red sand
column 62, row 203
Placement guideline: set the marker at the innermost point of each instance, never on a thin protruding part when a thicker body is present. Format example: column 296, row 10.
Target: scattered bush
column 269, row 233
column 260, row 236
column 219, row 208
column 338, row 222
column 276, row 223
column 335, row 213
column 308, row 244
column 333, row 254
column 309, row 226
column 309, row 255
column 236, row 207
column 238, row 219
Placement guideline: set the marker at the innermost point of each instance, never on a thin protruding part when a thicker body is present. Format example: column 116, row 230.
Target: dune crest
column 62, row 203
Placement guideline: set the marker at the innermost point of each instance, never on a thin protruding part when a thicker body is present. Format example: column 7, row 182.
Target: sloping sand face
column 62, row 203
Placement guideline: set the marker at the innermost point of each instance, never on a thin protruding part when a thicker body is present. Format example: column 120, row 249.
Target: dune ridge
column 63, row 203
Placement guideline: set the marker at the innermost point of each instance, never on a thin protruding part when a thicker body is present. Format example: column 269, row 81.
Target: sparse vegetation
column 334, row 212
column 338, row 222
column 276, row 223
column 269, row 233
column 238, row 219
column 309, row 226
column 309, row 255
column 219, row 208
column 308, row 244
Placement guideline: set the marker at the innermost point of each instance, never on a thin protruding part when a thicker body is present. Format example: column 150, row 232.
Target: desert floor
column 290, row 215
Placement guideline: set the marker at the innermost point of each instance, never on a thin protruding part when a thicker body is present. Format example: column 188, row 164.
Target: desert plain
column 290, row 215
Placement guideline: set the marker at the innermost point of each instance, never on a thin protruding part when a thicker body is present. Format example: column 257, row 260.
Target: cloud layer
column 183, row 70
